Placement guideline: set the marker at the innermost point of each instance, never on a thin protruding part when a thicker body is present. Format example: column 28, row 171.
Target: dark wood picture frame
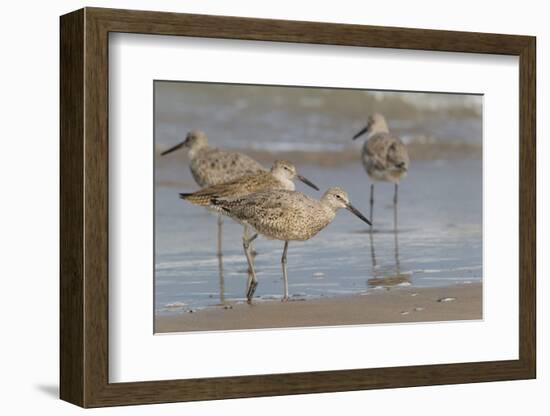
column 84, row 207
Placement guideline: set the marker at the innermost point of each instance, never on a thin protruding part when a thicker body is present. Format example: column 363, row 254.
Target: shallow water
column 438, row 241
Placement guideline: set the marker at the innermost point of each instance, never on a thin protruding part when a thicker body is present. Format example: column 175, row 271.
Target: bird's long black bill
column 351, row 208
column 307, row 182
column 176, row 147
column 361, row 132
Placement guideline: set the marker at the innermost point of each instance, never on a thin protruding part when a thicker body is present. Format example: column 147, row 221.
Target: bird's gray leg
column 252, row 281
column 222, row 279
column 220, row 227
column 395, row 208
column 396, row 241
column 220, row 258
column 246, row 245
column 285, row 276
column 246, row 234
column 371, row 210
column 373, row 261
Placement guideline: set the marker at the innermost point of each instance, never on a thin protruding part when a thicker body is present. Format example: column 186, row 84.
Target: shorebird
column 211, row 166
column 384, row 155
column 286, row 216
column 281, row 176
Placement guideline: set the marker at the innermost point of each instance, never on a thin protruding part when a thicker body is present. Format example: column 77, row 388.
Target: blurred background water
column 439, row 224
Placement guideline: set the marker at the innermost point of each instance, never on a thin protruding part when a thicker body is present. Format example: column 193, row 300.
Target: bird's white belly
column 383, row 175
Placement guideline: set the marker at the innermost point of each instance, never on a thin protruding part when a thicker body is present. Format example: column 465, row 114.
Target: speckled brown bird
column 384, row 155
column 212, row 166
column 286, row 216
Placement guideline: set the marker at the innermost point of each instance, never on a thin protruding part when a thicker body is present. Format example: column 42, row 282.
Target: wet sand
column 330, row 158
column 399, row 305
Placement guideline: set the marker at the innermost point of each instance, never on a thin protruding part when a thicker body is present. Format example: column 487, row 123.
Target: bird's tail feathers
column 195, row 198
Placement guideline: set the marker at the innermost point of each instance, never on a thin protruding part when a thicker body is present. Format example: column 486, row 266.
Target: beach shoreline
column 458, row 302
column 422, row 151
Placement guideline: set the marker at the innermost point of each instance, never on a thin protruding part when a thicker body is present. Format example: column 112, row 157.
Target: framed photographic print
column 256, row 207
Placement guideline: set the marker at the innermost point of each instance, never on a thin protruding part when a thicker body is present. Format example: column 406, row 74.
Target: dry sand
column 460, row 302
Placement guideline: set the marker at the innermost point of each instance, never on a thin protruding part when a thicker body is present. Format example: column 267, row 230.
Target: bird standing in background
column 384, row 156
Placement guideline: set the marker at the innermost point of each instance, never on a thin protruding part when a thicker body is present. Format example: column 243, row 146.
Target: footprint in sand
column 416, row 309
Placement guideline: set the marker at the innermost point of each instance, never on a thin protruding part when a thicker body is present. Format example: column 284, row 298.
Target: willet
column 211, row 166
column 281, row 176
column 384, row 155
column 286, row 216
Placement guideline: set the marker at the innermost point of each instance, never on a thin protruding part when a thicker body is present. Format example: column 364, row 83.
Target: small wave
column 175, row 306
column 457, row 279
column 314, row 284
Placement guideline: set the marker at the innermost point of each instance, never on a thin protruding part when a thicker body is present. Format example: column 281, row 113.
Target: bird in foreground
column 211, row 166
column 286, row 216
column 384, row 155
column 281, row 176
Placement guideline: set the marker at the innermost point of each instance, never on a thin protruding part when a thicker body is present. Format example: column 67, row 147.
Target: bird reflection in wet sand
column 387, row 277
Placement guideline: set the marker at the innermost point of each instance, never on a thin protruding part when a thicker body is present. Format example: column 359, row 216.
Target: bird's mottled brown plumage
column 242, row 186
column 285, row 215
column 385, row 157
column 281, row 215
